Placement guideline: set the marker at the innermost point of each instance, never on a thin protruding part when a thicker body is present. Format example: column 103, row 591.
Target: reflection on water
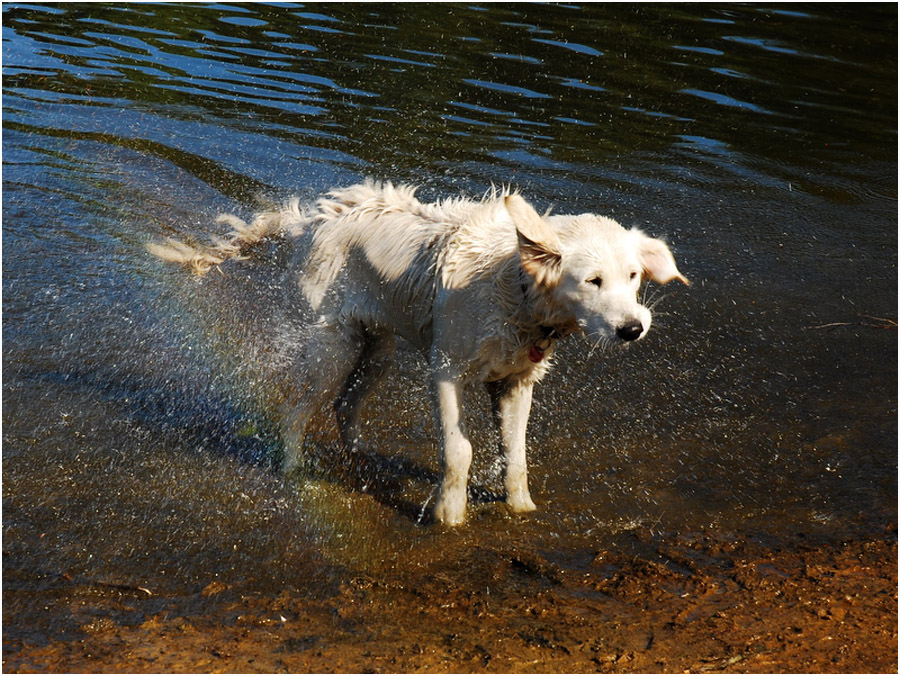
column 760, row 141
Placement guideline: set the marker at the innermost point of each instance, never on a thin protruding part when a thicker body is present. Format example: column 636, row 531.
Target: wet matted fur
column 484, row 288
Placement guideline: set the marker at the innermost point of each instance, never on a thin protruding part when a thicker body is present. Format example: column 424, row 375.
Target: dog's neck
column 536, row 315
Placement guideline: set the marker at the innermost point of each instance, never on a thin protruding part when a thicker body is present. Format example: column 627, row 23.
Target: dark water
column 759, row 140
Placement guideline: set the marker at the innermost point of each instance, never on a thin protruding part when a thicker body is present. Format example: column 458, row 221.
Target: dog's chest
column 531, row 358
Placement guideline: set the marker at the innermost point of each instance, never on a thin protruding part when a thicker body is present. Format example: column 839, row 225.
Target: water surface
column 760, row 141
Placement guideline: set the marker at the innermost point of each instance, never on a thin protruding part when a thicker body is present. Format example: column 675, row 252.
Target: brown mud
column 670, row 604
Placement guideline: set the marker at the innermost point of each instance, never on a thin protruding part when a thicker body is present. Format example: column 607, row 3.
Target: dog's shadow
column 197, row 418
column 222, row 426
column 395, row 481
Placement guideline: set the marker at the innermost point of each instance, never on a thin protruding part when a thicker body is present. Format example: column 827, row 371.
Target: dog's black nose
column 630, row 331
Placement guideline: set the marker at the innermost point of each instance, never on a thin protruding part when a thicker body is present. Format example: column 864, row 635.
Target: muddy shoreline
column 672, row 604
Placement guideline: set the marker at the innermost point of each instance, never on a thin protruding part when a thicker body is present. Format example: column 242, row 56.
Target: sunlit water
column 759, row 141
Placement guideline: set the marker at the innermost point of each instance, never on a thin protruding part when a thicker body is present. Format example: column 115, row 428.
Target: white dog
column 483, row 288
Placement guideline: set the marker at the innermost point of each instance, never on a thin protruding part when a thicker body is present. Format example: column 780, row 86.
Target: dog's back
column 379, row 256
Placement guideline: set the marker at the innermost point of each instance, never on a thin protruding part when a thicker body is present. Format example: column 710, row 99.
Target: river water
column 759, row 140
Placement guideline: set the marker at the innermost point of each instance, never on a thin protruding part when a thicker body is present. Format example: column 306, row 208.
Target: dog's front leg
column 511, row 403
column 456, row 451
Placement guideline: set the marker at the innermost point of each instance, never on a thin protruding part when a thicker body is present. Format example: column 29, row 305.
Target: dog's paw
column 520, row 503
column 450, row 512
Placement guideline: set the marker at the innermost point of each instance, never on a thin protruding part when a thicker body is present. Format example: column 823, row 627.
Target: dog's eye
column 633, row 275
column 596, row 281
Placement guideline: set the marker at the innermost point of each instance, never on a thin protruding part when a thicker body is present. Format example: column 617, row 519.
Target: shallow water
column 760, row 141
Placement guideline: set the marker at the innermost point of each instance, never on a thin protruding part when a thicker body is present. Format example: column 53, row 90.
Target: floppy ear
column 539, row 247
column 659, row 264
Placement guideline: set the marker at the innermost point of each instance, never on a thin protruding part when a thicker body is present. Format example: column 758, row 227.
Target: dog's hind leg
column 295, row 415
column 511, row 404
column 372, row 365
column 317, row 375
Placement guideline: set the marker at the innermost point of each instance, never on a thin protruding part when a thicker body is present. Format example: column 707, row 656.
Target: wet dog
column 484, row 288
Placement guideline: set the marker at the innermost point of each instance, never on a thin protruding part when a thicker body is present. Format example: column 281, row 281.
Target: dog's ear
column 539, row 247
column 659, row 264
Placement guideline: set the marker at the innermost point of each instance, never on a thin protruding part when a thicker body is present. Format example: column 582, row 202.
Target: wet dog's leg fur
column 511, row 404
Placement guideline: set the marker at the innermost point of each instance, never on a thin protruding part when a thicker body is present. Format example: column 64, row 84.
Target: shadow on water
column 202, row 420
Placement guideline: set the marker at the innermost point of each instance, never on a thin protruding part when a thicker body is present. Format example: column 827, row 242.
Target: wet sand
column 672, row 604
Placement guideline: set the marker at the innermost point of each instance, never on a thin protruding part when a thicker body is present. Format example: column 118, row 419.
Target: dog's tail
column 200, row 258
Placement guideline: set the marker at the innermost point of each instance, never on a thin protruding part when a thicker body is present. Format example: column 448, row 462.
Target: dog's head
column 591, row 269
